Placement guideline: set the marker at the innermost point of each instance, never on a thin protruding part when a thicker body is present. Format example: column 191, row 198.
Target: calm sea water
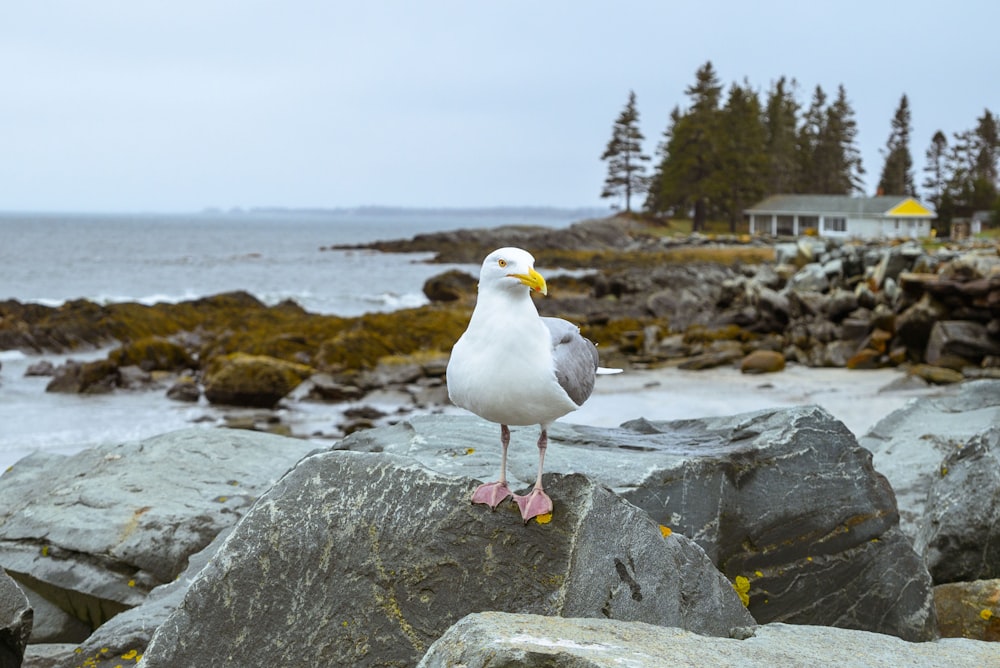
column 49, row 258
column 274, row 255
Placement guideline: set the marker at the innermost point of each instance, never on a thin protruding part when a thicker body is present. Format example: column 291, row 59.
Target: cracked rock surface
column 367, row 558
column 94, row 532
column 783, row 497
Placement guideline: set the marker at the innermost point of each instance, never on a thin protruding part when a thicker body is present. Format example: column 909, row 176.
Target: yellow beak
column 533, row 280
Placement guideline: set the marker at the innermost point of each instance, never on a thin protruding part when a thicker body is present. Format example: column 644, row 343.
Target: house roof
column 805, row 205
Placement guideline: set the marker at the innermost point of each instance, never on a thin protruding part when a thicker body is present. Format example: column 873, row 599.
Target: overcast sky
column 147, row 105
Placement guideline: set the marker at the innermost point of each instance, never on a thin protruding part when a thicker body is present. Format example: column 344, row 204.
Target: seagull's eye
column 502, row 262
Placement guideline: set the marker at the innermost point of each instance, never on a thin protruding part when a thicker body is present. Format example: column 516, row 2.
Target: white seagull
column 516, row 368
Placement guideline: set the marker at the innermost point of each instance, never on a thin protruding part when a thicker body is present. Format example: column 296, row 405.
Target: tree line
column 728, row 150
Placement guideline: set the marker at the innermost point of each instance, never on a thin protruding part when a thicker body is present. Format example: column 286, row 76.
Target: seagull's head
column 509, row 269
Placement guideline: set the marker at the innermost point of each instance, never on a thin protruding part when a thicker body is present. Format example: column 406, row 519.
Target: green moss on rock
column 153, row 353
column 257, row 381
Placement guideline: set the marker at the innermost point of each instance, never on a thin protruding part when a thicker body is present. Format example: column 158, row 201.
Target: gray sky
column 148, row 105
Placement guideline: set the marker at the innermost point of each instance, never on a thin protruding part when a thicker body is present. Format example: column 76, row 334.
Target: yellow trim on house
column 908, row 207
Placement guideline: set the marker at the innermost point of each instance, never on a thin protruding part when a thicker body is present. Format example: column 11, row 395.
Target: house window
column 786, row 225
column 808, row 223
column 834, row 224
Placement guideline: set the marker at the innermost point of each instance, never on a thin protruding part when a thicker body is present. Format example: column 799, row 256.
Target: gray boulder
column 127, row 634
column 909, row 445
column 960, row 533
column 366, row 559
column 785, row 498
column 960, row 342
column 15, row 622
column 810, row 278
column 529, row 641
column 93, row 533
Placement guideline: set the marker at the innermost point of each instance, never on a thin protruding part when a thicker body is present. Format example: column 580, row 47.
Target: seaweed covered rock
column 366, row 559
column 450, row 286
column 93, row 532
column 97, row 377
column 153, row 353
column 969, row 610
column 785, row 498
column 252, row 380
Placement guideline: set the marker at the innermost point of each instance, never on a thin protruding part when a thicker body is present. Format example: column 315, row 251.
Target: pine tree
column 810, row 156
column 780, row 120
column 743, row 161
column 897, row 172
column 971, row 168
column 658, row 199
column 690, row 160
column 626, row 162
column 839, row 143
column 934, row 184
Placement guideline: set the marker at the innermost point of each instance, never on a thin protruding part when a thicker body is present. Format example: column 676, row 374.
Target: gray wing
column 575, row 358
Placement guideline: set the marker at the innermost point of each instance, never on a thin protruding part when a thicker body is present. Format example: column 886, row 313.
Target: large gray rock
column 94, row 532
column 960, row 533
column 366, row 559
column 960, row 341
column 785, row 498
column 491, row 639
column 909, row 445
column 15, row 622
column 126, row 634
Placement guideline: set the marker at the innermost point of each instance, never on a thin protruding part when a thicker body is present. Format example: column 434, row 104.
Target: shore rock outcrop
column 15, row 622
column 94, row 532
column 785, row 498
column 366, row 559
column 910, row 445
column 530, row 641
column 258, row 381
column 960, row 531
column 969, row 609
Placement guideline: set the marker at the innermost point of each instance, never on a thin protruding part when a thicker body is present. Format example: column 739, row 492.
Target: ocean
column 273, row 254
column 277, row 255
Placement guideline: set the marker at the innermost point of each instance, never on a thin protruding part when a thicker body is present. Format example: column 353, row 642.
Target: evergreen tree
column 971, row 168
column 808, row 144
column 838, row 146
column 987, row 151
column 743, row 161
column 690, row 153
column 934, row 184
column 780, row 120
column 658, row 199
column 897, row 172
column 626, row 162
column 829, row 160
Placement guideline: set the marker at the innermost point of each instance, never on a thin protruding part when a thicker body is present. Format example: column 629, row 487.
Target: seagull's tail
column 605, row 371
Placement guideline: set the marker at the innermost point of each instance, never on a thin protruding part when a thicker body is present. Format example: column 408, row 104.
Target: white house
column 889, row 216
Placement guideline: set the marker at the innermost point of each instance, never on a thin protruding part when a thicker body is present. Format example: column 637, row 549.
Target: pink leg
column 537, row 502
column 494, row 493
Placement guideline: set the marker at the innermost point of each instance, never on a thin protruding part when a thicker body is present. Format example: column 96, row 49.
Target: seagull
column 513, row 367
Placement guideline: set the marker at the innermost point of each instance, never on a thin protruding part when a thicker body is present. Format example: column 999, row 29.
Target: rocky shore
column 646, row 298
column 768, row 534
column 776, row 533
